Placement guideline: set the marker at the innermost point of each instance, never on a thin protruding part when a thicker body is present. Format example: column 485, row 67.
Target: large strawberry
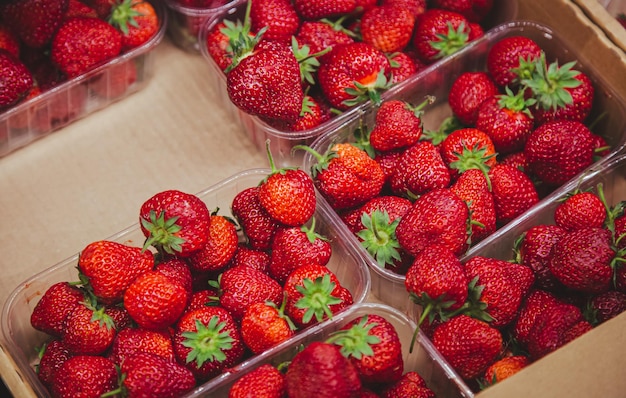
column 88, row 330
column 55, row 304
column 398, row 125
column 420, row 169
column 34, row 21
column 439, row 33
column 580, row 209
column 537, row 302
column 511, row 59
column 266, row 381
column 16, row 80
column 278, row 17
column 175, row 222
column 85, row 375
column 534, row 249
column 131, row 340
column 513, row 192
column 387, row 28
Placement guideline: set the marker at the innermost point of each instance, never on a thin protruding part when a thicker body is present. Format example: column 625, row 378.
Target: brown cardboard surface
column 605, row 18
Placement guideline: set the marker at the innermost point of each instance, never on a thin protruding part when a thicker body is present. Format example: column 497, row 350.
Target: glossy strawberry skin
column 508, row 129
column 504, row 57
column 387, row 28
column 54, row 306
column 581, row 210
column 550, row 328
column 397, row 127
column 578, row 110
column 84, row 334
column 411, row 384
column 395, row 206
column 148, row 374
column 513, row 192
column 17, row 80
column 257, row 225
column 130, row 340
column 288, row 197
column 472, row 187
column 34, row 21
column 320, row 35
column 263, row 326
column 263, row 382
column 279, row 16
column 316, row 9
column 55, row 353
column 431, row 23
column 85, row 375
column 535, row 252
column 468, row 92
column 219, row 248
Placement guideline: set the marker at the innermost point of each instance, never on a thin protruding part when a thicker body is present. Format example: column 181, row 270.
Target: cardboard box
column 604, row 13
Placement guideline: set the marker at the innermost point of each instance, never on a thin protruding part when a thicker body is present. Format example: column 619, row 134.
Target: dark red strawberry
column 34, row 21
column 131, row 340
column 411, row 384
column 605, row 306
column 534, row 249
column 17, row 80
column 419, row 170
column 254, row 258
column 51, row 357
column 257, row 225
column 278, row 17
column 54, row 306
column 468, row 91
column 398, row 125
column 472, row 187
column 473, row 10
column 439, row 33
column 537, row 302
column 550, row 327
column 85, row 375
column 316, row 9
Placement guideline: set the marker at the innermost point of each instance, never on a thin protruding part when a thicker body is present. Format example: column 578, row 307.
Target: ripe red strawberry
column 605, row 306
column 510, row 59
column 88, row 330
column 137, row 20
column 373, row 346
column 207, row 341
column 278, row 17
column 468, row 148
column 537, row 302
column 394, row 206
column 314, row 112
column 353, row 73
column 581, row 260
column 155, row 301
column 264, row 325
column 17, row 80
column 242, row 286
column 257, row 225
column 403, row 66
column 175, row 222
column 550, row 327
column 506, row 119
column 316, row 9
column 82, row 43
column 219, row 249
column 439, row 33
column 250, row 257
column 54, row 306
column 468, row 91
column 534, row 249
column 296, row 246
column 470, row 345
column 76, row 8
column 178, row 271
column 131, row 340
column 111, row 267
column 266, row 381
column 417, row 7
column 320, row 370
column 398, row 125
column 387, row 28
column 319, row 35
column 34, row 21
column 473, row 10
column 346, row 175
column 51, row 357
column 9, row 40
column 86, row 376
column 505, row 368
column 472, row 187
column 580, row 209
column 438, row 216
column 411, row 384
column 419, row 170
column 513, row 192
column 437, row 282
column 313, row 294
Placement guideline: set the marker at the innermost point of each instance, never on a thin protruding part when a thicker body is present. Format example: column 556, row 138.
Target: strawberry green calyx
column 322, row 160
column 473, row 158
column 281, row 311
column 549, row 83
column 123, row 15
column 516, row 102
column 357, row 341
column 317, row 298
column 208, row 342
column 379, row 237
column 162, row 233
column 447, row 126
column 526, row 69
column 241, row 43
column 452, row 41
column 308, row 62
column 371, row 91
column 310, row 233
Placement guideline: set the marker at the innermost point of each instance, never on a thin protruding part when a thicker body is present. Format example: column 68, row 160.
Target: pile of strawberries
column 45, row 43
column 204, row 293
column 363, row 358
column 295, row 64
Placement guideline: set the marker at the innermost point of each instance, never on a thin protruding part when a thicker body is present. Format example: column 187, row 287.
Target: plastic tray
column 283, row 141
column 436, row 80
column 82, row 95
column 424, row 359
column 20, row 338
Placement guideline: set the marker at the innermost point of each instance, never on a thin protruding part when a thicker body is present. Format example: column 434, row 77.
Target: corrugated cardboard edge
column 12, row 377
column 605, row 21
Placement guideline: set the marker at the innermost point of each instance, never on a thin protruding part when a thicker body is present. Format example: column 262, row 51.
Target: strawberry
column 353, row 73
column 155, row 301
column 398, row 125
column 419, row 170
column 403, row 66
column 438, row 216
column 177, row 270
column 319, row 35
column 76, row 8
column 83, row 43
column 102, row 7
column 264, row 325
column 580, row 209
column 417, row 7
column 387, row 28
column 511, row 59
column 468, row 91
column 550, row 327
column 175, row 222
column 137, row 20
column 207, row 341
column 346, row 175
column 411, row 384
column 88, row 330
column 316, row 9
column 296, row 246
column 110, row 267
column 313, row 294
column 473, row 188
column 9, row 40
column 250, row 257
column 537, row 302
column 468, row 148
column 266, row 381
column 147, row 374
column 314, row 112
column 202, row 297
column 278, row 17
column 534, row 248
column 34, row 21
column 219, row 249
column 473, row 10
column 85, row 376
column 320, row 370
column 373, row 346
column 51, row 357
column 513, row 192
column 439, row 33
column 505, row 368
column 17, row 80
column 605, row 306
column 131, row 340
column 559, row 150
column 437, row 282
column 242, row 286
column 394, row 206
column 257, row 225
column 581, row 260
column 54, row 306
column 470, row 345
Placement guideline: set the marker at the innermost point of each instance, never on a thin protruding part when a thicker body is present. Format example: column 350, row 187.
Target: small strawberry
column 403, row 66
column 9, row 40
column 439, row 33
column 505, row 368
column 264, row 325
column 550, row 327
column 16, row 81
column 220, row 247
column 411, row 384
column 55, row 304
column 34, row 21
column 250, row 257
column 266, row 381
column 580, row 209
column 513, row 192
column 76, row 8
column 175, row 222
column 131, row 340
column 537, row 302
column 387, row 28
column 605, row 306
column 278, row 17
column 88, row 330
column 419, row 170
column 316, row 9
column 394, row 206
column 472, row 186
column 256, row 224
column 51, row 357
column 468, row 344
column 110, row 267
column 511, row 59
column 468, row 91
column 177, row 270
column 534, row 249
column 207, row 341
column 86, row 376
column 468, row 148
column 320, row 370
column 398, row 125
column 473, row 10
column 319, row 35
column 136, row 19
